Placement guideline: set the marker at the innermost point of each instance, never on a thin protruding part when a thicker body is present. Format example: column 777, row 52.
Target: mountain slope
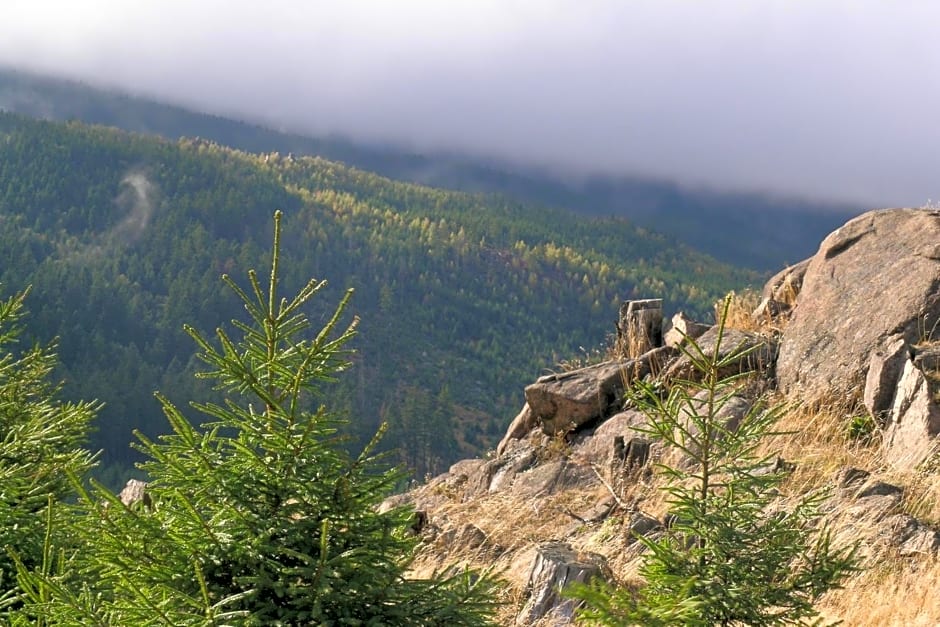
column 750, row 230
column 462, row 297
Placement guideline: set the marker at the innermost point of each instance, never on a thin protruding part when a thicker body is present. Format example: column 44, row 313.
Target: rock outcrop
column 914, row 421
column 682, row 330
column 874, row 281
column 599, row 445
column 640, row 328
column 851, row 327
column 864, row 508
column 520, row 427
column 881, row 380
column 565, row 401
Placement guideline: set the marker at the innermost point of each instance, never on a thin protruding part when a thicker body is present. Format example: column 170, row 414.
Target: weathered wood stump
column 640, row 328
column 555, row 567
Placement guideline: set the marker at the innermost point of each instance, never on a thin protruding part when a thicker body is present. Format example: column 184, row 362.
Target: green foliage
column 259, row 516
column 758, row 231
column 464, row 297
column 861, row 428
column 40, row 444
column 732, row 556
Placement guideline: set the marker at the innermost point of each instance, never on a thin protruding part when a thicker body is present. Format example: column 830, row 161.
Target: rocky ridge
column 849, row 332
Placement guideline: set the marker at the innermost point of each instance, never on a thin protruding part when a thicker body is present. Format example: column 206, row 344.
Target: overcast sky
column 821, row 98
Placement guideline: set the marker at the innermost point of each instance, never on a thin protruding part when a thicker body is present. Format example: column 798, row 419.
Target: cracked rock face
column 914, row 420
column 873, row 282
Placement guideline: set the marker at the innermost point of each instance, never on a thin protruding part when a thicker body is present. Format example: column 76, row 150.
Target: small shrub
column 40, row 445
column 730, row 557
column 861, row 428
column 262, row 516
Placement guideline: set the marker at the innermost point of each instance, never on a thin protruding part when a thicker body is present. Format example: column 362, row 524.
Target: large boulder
column 873, row 282
column 564, row 402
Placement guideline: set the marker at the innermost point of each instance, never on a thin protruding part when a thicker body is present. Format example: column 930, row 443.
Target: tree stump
column 555, row 567
column 640, row 328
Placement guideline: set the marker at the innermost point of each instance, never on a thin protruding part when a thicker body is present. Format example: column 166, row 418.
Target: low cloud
column 137, row 197
column 829, row 99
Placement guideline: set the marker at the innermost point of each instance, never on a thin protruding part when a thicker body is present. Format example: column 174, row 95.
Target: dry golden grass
column 921, row 492
column 787, row 292
column 817, row 441
column 894, row 592
column 891, row 591
column 513, row 525
column 740, row 309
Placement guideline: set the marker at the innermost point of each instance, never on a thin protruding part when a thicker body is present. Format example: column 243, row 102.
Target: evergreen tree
column 729, row 558
column 40, row 443
column 259, row 516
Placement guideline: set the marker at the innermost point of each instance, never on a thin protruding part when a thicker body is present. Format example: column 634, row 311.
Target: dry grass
column 892, row 592
column 817, row 441
column 921, row 493
column 895, row 592
column 587, row 357
column 788, row 291
column 739, row 311
column 513, row 526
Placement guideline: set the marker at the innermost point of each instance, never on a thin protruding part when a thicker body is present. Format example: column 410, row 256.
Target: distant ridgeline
column 462, row 297
column 752, row 230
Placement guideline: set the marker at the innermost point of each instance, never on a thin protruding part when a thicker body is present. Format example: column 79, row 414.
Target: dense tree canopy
column 464, row 298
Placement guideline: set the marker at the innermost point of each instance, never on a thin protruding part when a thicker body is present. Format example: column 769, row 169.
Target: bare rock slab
column 875, row 277
column 881, row 380
column 565, row 401
column 598, row 446
column 520, row 427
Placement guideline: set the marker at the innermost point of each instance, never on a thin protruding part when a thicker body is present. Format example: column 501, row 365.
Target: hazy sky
column 822, row 98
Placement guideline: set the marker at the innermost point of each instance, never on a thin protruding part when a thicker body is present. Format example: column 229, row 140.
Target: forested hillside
column 752, row 230
column 462, row 298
